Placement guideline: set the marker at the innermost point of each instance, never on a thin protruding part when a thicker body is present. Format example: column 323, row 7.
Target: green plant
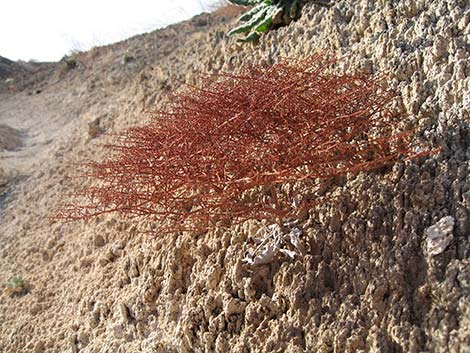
column 267, row 14
column 70, row 62
column 15, row 285
column 128, row 58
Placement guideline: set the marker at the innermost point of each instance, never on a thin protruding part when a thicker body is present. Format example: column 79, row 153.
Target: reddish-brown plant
column 222, row 152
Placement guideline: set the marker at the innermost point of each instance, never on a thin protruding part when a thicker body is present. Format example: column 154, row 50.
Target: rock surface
column 365, row 283
column 10, row 139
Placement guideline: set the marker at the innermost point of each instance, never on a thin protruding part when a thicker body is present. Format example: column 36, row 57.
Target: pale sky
column 46, row 30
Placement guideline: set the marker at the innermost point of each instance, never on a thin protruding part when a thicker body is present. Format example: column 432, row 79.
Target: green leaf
column 16, row 282
column 259, row 19
column 264, row 25
column 247, row 15
column 246, row 2
column 247, row 27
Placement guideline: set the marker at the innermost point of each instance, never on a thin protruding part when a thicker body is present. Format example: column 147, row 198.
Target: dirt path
column 39, row 119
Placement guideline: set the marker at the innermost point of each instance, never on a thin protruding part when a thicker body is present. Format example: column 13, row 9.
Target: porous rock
column 365, row 282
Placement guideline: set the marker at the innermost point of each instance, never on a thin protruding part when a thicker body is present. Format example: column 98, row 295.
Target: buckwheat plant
column 268, row 14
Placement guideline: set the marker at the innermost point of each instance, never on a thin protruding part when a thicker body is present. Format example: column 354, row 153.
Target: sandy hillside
column 367, row 282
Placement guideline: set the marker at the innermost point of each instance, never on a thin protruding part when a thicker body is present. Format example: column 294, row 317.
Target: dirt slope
column 367, row 282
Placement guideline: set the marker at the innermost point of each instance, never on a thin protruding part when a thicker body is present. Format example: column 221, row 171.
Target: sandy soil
column 366, row 283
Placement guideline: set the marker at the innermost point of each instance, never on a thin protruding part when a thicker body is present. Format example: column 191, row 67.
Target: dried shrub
column 233, row 149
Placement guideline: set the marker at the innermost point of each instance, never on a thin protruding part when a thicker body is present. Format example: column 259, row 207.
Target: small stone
column 133, row 270
column 118, row 331
column 94, row 129
column 35, row 308
column 83, row 339
column 93, row 319
column 102, row 261
column 440, row 235
column 98, row 241
column 39, row 347
column 86, row 261
column 124, row 312
column 73, row 343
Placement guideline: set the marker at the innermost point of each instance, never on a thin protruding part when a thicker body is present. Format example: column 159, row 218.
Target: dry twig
column 220, row 152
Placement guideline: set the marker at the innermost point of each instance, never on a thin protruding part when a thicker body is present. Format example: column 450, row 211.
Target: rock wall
column 367, row 282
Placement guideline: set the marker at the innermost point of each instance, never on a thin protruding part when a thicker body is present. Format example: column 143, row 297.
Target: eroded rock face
column 16, row 75
column 10, row 138
column 365, row 282
column 7, row 68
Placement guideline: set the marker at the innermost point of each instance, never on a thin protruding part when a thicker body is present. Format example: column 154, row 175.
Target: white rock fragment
column 264, row 256
column 439, row 235
column 273, row 240
column 294, row 237
column 288, row 253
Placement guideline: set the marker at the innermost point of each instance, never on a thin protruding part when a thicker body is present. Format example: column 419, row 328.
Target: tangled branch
column 227, row 151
